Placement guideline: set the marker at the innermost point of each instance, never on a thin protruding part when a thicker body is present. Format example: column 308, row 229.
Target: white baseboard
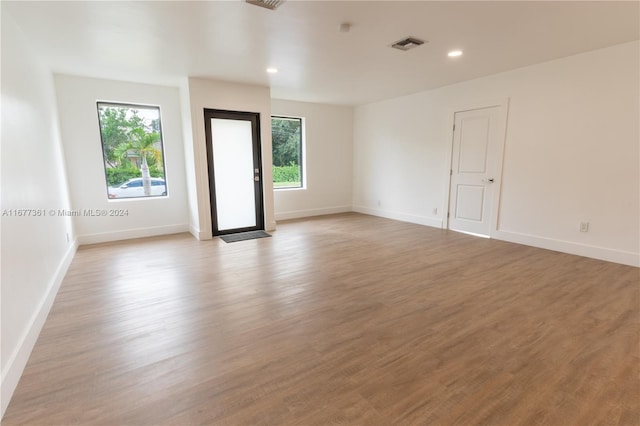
column 601, row 253
column 420, row 220
column 199, row 235
column 18, row 359
column 312, row 212
column 132, row 233
column 271, row 226
column 194, row 231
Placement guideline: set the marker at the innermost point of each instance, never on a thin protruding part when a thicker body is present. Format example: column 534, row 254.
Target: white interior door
column 474, row 169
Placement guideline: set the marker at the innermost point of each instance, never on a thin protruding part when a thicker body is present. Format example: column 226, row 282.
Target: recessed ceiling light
column 454, row 53
column 272, row 70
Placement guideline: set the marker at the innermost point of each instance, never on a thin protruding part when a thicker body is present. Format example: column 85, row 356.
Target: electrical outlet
column 379, row 203
column 584, row 226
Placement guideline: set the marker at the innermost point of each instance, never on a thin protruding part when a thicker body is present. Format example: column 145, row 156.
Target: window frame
column 303, row 159
column 132, row 106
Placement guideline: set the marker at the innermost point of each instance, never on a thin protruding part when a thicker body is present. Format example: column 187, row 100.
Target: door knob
column 490, row 180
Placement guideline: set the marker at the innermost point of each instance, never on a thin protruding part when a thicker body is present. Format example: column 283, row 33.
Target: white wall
column 571, row 153
column 77, row 97
column 35, row 252
column 329, row 160
column 214, row 94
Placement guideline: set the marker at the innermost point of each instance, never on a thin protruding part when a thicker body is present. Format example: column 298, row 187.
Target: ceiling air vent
column 407, row 43
column 267, row 4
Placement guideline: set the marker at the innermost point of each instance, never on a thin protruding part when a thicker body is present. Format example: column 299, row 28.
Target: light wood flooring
column 344, row 319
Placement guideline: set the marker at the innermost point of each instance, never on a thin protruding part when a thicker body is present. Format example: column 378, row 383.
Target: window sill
column 302, row 188
column 124, row 199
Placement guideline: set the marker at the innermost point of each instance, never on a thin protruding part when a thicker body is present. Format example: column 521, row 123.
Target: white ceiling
column 163, row 42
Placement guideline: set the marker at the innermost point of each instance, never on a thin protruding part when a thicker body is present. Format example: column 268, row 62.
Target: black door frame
column 254, row 118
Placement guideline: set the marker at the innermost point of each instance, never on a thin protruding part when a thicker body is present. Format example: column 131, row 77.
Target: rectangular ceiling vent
column 407, row 43
column 267, row 4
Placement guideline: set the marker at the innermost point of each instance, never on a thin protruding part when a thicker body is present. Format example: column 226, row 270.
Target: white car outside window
column 133, row 188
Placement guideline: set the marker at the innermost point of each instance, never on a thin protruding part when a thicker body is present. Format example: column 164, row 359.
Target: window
column 286, row 135
column 132, row 149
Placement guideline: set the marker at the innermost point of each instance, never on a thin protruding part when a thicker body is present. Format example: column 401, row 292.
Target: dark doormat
column 242, row 236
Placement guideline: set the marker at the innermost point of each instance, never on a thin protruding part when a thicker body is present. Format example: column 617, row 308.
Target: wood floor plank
column 342, row 319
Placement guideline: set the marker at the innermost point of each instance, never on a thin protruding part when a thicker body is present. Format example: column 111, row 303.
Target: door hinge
column 450, row 172
column 447, row 215
column 454, row 127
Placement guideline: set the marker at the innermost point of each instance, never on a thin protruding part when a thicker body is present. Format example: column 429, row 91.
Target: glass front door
column 235, row 171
